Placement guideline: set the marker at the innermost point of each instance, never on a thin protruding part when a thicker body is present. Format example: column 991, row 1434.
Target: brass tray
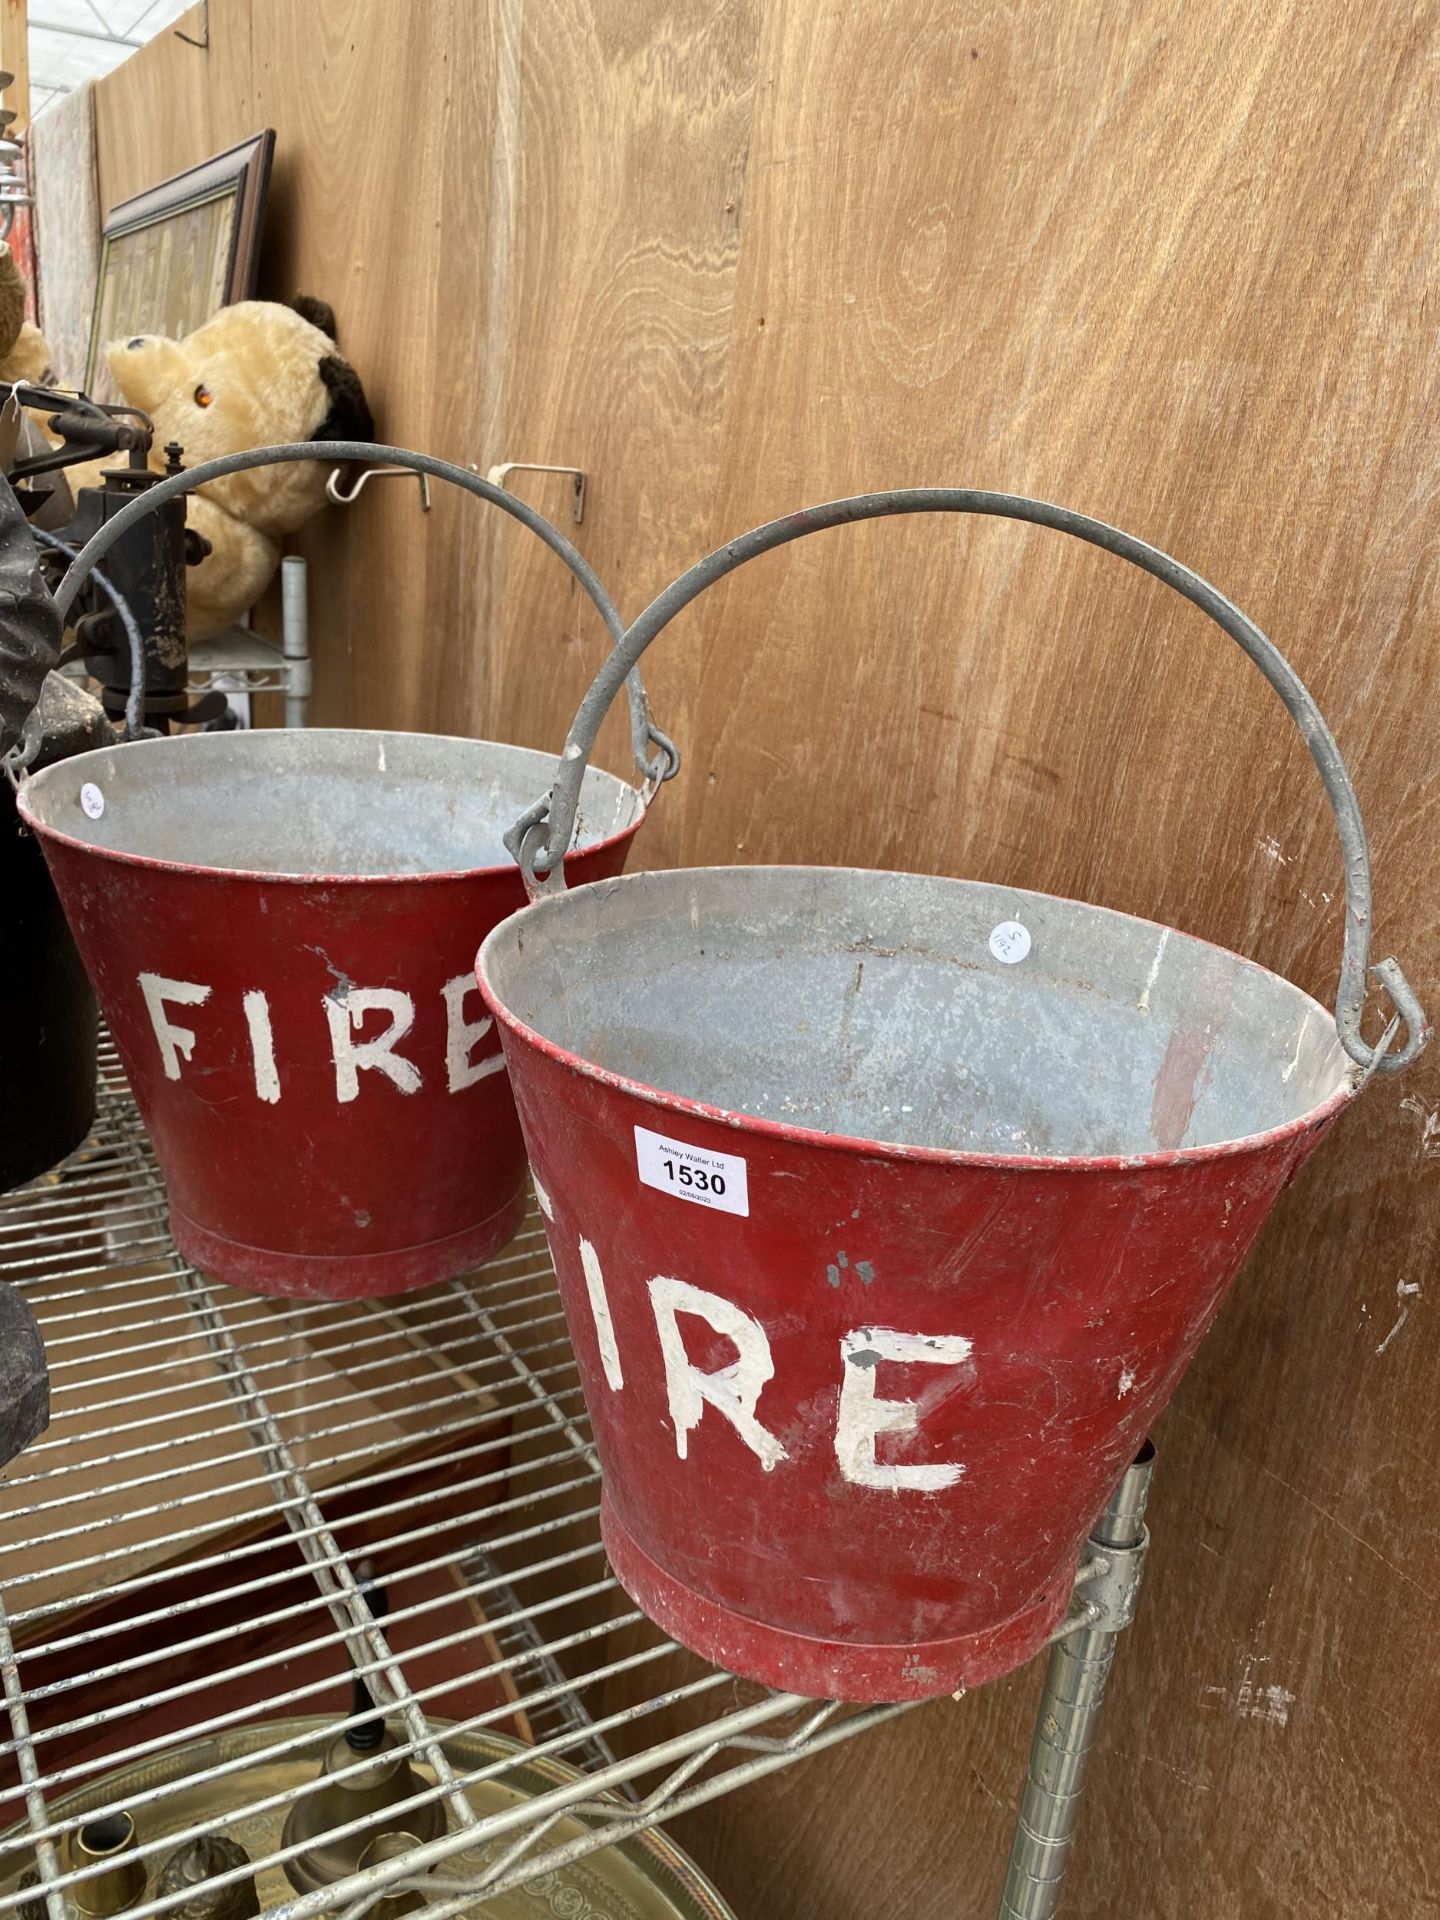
column 641, row 1877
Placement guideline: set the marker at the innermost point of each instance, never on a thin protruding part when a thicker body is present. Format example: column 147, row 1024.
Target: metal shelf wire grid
column 189, row 1547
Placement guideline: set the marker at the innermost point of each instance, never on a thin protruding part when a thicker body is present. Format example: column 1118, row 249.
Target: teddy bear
column 256, row 374
column 23, row 352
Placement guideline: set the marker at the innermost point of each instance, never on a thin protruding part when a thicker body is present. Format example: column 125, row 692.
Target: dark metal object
column 643, row 732
column 124, row 613
column 204, row 42
column 48, row 1019
column 547, row 824
column 147, row 568
column 367, row 1735
column 47, row 1012
column 24, row 1377
column 194, row 1868
column 66, row 719
column 87, row 430
column 131, row 628
column 29, row 625
column 1073, row 1695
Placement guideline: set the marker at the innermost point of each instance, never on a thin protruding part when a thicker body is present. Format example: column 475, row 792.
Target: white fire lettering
column 462, row 1035
column 346, row 1007
column 864, row 1416
column 176, row 1043
column 262, row 1046
column 346, row 1013
column 600, row 1313
column 733, row 1390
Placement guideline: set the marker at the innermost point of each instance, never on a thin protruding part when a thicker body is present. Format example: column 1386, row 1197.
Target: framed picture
column 173, row 255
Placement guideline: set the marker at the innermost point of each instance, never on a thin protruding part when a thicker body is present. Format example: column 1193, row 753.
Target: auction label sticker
column 1010, row 942
column 709, row 1179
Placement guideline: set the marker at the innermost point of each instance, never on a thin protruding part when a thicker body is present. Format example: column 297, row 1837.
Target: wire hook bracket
column 499, row 476
column 335, row 491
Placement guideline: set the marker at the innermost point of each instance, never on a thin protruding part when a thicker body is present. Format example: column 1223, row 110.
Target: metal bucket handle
column 643, row 733
column 549, row 821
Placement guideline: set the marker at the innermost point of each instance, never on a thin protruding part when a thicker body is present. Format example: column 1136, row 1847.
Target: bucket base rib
column 829, row 1669
column 345, row 1276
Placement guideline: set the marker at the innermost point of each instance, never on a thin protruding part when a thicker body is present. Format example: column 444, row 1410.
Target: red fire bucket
column 280, row 928
column 889, row 1209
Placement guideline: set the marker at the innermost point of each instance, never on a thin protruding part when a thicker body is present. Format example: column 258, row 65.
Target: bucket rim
column 1160, row 1159
column 154, row 863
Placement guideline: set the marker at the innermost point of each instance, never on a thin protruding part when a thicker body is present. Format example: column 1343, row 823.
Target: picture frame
column 172, row 256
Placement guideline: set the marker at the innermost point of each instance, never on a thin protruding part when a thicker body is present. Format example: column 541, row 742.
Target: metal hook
column 204, row 42
column 500, row 476
column 334, row 491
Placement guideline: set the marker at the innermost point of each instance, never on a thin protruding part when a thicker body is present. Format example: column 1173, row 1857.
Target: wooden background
column 1173, row 265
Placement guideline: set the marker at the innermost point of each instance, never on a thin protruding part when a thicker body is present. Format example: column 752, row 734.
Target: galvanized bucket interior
column 872, row 1005
column 334, row 802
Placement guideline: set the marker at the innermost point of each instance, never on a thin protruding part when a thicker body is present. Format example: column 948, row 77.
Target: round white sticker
column 92, row 800
column 1010, row 942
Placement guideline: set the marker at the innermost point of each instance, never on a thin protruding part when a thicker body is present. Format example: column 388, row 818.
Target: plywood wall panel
column 178, row 104
column 618, row 186
column 362, row 192
column 1169, row 265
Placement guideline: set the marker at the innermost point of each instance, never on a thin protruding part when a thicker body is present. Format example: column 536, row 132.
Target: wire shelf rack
column 191, row 1555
